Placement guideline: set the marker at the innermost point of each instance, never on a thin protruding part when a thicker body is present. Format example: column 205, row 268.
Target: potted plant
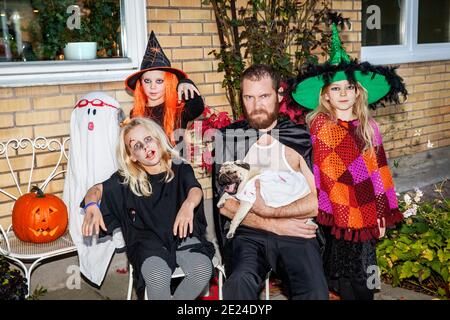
column 81, row 44
column 99, row 25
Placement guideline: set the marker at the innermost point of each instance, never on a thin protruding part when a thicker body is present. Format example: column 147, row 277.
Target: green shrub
column 13, row 286
column 417, row 253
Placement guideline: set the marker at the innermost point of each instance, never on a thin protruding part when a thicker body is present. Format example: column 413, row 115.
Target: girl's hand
column 93, row 219
column 382, row 229
column 188, row 89
column 184, row 221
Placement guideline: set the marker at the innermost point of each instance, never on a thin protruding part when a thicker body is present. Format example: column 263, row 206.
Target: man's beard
column 262, row 123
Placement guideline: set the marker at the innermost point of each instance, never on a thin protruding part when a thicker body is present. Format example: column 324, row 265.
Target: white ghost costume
column 94, row 133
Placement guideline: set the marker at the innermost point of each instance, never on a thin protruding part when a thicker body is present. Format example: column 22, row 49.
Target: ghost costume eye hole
column 94, row 112
column 89, row 111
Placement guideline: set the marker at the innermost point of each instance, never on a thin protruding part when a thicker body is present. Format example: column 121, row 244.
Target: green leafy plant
column 13, row 286
column 99, row 22
column 281, row 33
column 37, row 293
column 48, row 27
column 417, row 254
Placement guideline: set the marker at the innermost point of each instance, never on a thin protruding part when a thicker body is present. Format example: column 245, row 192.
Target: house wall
column 187, row 31
column 425, row 115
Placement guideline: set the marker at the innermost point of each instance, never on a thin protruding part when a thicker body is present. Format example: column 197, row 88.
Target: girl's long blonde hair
column 361, row 110
column 134, row 173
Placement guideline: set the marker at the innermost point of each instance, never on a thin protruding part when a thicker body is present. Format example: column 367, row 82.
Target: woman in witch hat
column 356, row 194
column 163, row 93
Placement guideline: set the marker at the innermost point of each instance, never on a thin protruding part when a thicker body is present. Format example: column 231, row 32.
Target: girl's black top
column 147, row 221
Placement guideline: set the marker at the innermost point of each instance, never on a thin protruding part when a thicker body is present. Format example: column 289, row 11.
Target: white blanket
column 94, row 133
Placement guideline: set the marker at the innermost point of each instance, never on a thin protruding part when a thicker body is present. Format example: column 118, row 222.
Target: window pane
column 434, row 21
column 381, row 22
column 38, row 30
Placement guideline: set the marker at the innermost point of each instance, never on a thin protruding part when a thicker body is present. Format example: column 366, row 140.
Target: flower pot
column 80, row 51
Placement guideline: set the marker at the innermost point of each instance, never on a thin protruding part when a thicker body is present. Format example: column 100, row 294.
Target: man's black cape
column 234, row 142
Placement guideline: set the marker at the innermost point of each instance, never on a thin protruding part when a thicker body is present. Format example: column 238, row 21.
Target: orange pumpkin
column 39, row 217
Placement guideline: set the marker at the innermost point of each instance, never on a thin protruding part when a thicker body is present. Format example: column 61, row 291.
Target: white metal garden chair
column 10, row 246
column 178, row 273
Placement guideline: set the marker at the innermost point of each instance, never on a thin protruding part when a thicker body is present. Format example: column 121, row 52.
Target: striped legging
column 196, row 266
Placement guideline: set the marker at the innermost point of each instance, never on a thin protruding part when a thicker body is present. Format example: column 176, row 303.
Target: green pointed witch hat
column 381, row 83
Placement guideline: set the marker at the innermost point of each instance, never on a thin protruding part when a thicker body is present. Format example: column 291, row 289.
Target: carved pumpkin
column 39, row 217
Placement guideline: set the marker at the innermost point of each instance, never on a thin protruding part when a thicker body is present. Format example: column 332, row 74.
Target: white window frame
column 410, row 50
column 134, row 34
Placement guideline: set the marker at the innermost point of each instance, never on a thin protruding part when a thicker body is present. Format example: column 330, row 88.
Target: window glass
column 381, row 22
column 39, row 30
column 434, row 21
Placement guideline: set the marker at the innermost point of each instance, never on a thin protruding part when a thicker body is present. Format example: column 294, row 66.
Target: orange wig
column 172, row 107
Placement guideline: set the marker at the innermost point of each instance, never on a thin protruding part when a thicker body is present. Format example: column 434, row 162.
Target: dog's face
column 231, row 174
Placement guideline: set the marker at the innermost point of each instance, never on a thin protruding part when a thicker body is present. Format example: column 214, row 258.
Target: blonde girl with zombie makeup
column 157, row 202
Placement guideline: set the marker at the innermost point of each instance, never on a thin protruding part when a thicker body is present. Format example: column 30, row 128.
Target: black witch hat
column 154, row 59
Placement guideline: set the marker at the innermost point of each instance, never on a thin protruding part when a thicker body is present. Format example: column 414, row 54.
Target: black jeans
column 252, row 253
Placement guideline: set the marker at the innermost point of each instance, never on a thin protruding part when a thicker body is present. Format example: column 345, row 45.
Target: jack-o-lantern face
column 39, row 218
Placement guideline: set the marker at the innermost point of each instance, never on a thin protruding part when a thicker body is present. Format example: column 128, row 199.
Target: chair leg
column 206, row 291
column 130, row 281
column 220, row 284
column 267, row 286
column 267, row 289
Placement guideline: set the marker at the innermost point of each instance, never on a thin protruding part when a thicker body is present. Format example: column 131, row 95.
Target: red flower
column 212, row 120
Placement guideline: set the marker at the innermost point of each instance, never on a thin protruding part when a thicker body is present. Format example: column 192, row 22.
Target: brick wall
column 423, row 122
column 426, row 114
column 40, row 111
column 187, row 32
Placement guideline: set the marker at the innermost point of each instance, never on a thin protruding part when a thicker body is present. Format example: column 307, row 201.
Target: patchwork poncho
column 354, row 187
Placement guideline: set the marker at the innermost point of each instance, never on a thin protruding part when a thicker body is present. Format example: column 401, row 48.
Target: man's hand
column 260, row 207
column 295, row 227
column 305, row 207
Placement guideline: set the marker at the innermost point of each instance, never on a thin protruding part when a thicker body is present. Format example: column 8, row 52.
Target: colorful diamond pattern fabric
column 354, row 186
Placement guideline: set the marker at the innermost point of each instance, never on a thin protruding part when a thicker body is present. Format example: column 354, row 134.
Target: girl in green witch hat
column 356, row 194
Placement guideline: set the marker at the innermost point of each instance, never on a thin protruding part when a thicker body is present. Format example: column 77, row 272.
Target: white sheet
column 92, row 160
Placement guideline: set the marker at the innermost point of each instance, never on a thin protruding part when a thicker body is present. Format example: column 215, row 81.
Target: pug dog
column 233, row 175
column 238, row 180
